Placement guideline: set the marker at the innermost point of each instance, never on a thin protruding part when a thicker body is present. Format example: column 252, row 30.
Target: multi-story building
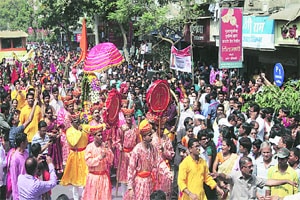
column 271, row 34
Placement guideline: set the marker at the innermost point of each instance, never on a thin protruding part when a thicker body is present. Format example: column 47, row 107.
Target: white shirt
column 202, row 99
column 204, row 156
column 196, row 130
column 2, row 164
column 56, row 105
column 143, row 48
column 183, row 115
column 72, row 78
column 261, row 171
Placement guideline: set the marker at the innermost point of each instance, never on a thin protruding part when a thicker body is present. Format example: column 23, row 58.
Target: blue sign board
column 278, row 74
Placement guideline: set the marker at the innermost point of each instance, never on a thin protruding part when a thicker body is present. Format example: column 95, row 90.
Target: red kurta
column 165, row 179
column 128, row 138
column 142, row 172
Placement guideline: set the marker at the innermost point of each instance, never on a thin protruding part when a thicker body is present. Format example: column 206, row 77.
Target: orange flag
column 83, row 44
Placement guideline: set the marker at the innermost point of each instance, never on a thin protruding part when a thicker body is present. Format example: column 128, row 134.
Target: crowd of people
column 202, row 147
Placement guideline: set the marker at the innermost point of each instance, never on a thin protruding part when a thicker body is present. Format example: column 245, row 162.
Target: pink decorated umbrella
column 102, row 57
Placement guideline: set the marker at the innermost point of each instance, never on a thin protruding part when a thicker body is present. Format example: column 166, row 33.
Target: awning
column 289, row 14
column 13, row 34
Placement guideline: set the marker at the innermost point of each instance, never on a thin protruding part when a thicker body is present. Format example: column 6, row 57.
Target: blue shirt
column 212, row 110
column 205, row 109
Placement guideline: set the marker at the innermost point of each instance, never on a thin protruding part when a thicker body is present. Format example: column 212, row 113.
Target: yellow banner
column 9, row 55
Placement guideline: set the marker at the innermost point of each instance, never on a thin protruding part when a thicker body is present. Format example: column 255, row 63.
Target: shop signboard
column 258, row 32
column 230, row 48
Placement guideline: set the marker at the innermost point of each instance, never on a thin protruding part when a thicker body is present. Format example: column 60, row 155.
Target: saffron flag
column 83, row 44
column 181, row 59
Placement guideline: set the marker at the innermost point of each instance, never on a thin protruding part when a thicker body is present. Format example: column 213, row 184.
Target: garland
column 95, row 90
column 85, row 88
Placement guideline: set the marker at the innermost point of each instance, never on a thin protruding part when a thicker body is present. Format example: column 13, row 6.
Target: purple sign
column 230, row 49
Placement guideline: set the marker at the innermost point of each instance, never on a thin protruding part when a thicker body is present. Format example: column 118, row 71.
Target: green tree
column 62, row 15
column 16, row 15
column 275, row 97
column 152, row 15
column 121, row 12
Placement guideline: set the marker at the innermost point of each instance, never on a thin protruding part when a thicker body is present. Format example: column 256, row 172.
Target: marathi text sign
column 181, row 59
column 258, row 32
column 230, row 48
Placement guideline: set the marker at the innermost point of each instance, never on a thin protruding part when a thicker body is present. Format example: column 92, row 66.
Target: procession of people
column 163, row 135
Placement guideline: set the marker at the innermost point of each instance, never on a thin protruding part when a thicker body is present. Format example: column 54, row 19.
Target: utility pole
column 96, row 18
column 189, row 24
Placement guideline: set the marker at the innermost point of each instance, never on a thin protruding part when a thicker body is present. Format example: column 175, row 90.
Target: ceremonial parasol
column 113, row 106
column 158, row 96
column 102, row 57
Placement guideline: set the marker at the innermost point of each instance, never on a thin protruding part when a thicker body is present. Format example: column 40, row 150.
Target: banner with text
column 181, row 59
column 258, row 32
column 230, row 49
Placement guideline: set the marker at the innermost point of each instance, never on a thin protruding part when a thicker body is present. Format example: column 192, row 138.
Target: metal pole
column 192, row 60
column 61, row 38
column 96, row 29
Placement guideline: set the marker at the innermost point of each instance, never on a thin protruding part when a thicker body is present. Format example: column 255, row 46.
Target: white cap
column 198, row 116
column 224, row 122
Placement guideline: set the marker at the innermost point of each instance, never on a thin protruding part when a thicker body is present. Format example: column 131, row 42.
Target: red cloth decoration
column 113, row 105
column 158, row 96
column 14, row 76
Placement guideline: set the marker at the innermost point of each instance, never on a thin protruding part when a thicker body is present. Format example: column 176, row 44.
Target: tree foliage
column 16, row 14
column 275, row 97
column 162, row 52
column 160, row 17
column 63, row 15
column 60, row 14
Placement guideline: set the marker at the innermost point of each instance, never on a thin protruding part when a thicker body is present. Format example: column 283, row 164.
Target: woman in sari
column 225, row 161
column 55, row 148
column 64, row 122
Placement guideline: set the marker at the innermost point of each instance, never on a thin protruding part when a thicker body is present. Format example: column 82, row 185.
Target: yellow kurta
column 76, row 169
column 32, row 127
column 20, row 97
column 192, row 175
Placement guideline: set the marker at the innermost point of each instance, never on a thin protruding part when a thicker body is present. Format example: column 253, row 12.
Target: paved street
column 67, row 190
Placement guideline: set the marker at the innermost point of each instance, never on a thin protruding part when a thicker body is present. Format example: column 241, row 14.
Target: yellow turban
column 145, row 127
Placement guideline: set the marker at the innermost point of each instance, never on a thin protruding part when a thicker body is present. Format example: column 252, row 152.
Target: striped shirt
column 38, row 139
